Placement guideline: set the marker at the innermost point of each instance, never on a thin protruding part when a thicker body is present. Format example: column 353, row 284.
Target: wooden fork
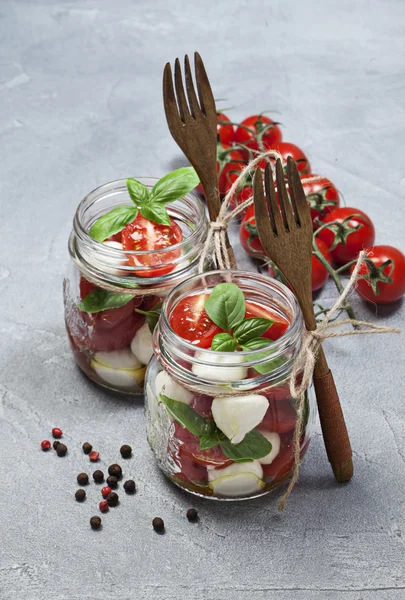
column 193, row 126
column 286, row 237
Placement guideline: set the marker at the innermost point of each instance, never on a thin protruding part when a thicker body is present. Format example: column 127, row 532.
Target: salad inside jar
column 221, row 418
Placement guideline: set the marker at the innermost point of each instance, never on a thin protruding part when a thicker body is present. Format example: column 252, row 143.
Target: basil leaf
column 137, row 191
column 223, row 342
column 257, row 343
column 153, row 211
column 112, row 222
column 187, row 417
column 264, row 367
column 208, row 441
column 152, row 316
column 226, row 305
column 99, row 300
column 253, row 446
column 251, row 328
column 175, row 185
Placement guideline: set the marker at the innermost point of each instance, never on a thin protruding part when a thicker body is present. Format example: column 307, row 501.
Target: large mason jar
column 111, row 339
column 221, row 424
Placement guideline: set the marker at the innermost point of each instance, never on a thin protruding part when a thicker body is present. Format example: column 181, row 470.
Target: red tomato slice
column 190, row 470
column 190, row 321
column 284, row 462
column 190, row 447
column 280, row 417
column 279, row 326
column 143, row 234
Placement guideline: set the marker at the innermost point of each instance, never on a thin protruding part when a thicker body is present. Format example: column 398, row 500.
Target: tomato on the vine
column 322, row 197
column 191, row 322
column 319, row 271
column 286, row 149
column 143, row 234
column 350, row 232
column 249, row 238
column 249, row 130
column 382, row 275
column 226, row 133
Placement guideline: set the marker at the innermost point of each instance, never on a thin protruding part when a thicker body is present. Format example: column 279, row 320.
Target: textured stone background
column 80, row 104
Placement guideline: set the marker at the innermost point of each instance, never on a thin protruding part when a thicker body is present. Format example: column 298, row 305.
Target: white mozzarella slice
column 120, row 378
column 237, row 415
column 118, row 359
column 166, row 385
column 141, row 345
column 239, row 479
column 112, row 260
column 274, row 440
column 215, row 368
column 113, row 244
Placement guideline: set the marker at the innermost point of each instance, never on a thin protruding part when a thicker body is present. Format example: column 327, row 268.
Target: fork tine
column 205, row 94
column 283, row 198
column 274, row 211
column 181, row 97
column 192, row 96
column 264, row 224
column 169, row 97
column 298, row 198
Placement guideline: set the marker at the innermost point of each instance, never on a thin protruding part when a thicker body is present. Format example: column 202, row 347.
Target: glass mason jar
column 114, row 345
column 228, row 388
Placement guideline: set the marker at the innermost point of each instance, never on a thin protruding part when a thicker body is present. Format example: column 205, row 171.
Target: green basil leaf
column 112, row 222
column 187, row 417
column 152, row 316
column 153, row 211
column 226, row 306
column 208, row 441
column 264, row 367
column 137, row 191
column 257, row 343
column 223, row 342
column 99, row 300
column 175, row 185
column 251, row 328
column 253, row 446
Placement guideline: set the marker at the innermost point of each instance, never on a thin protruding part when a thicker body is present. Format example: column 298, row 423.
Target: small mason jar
column 231, row 389
column 114, row 345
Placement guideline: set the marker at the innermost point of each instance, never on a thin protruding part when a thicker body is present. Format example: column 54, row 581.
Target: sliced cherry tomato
column 354, row 231
column 117, row 237
column 279, row 326
column 190, row 321
column 280, row 416
column 383, row 282
column 286, row 149
column 249, row 238
column 284, row 461
column 256, row 124
column 319, row 273
column 226, row 133
column 189, row 446
column 322, row 197
column 191, row 470
column 143, row 234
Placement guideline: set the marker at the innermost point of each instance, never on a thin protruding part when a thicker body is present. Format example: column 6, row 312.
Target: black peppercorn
column 82, row 479
column 61, row 449
column 87, row 448
column 158, row 524
column 112, row 499
column 192, row 515
column 115, row 470
column 95, row 522
column 126, row 451
column 55, row 444
column 98, row 476
column 129, row 486
column 112, row 482
column 80, row 495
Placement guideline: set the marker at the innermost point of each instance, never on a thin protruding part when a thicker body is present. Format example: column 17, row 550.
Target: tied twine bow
column 305, row 362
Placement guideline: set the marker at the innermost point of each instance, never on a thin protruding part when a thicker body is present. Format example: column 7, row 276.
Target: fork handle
column 334, row 430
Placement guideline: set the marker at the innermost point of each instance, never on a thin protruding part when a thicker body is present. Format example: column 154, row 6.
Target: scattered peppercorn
column 61, row 450
column 80, row 495
column 56, row 432
column 129, row 486
column 45, row 445
column 192, row 515
column 94, row 456
column 112, row 499
column 105, row 491
column 98, row 476
column 55, row 444
column 82, row 479
column 87, row 448
column 112, row 482
column 103, row 506
column 115, row 470
column 126, row 451
column 95, row 522
column 158, row 524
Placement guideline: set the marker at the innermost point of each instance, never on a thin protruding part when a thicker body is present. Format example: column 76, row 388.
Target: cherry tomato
column 284, row 461
column 190, row 447
column 230, row 166
column 249, row 238
column 226, row 132
column 143, row 234
column 353, row 231
column 117, row 237
column 376, row 287
column 245, row 193
column 286, row 149
column 319, row 272
column 322, row 197
column 256, row 124
column 190, row 321
column 279, row 326
column 191, row 470
column 280, row 416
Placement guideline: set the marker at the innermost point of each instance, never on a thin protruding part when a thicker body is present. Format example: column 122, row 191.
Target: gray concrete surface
column 80, row 104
